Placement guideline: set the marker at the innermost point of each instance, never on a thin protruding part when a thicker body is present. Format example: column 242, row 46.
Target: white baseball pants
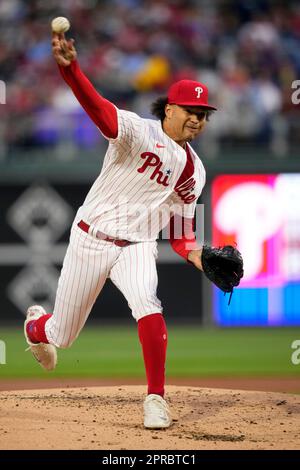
column 87, row 264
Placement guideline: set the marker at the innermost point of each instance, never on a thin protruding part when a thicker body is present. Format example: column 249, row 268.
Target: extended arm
column 101, row 111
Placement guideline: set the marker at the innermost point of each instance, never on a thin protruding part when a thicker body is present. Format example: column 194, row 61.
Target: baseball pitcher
column 149, row 167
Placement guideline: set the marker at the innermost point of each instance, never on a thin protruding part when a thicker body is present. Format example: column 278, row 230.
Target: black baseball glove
column 223, row 266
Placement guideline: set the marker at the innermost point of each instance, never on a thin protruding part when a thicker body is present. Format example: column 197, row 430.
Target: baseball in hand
column 60, row 24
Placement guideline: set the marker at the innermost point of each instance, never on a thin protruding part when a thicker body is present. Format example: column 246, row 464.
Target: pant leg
column 135, row 275
column 85, row 269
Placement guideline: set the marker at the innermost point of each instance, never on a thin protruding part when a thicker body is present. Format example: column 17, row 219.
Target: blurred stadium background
column 248, row 53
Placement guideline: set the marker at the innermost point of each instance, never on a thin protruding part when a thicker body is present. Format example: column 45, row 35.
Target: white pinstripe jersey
column 137, row 182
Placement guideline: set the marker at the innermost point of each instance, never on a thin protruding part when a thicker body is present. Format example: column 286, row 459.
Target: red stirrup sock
column 36, row 329
column 153, row 336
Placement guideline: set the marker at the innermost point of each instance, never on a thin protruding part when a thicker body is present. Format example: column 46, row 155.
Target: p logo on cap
column 199, row 90
column 189, row 93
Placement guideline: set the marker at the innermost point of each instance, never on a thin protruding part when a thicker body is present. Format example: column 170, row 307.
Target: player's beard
column 191, row 133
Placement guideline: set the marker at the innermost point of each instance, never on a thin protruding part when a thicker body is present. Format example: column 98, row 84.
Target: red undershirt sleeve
column 182, row 236
column 100, row 110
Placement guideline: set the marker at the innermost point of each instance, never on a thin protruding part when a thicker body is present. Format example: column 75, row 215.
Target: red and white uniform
column 139, row 179
column 144, row 173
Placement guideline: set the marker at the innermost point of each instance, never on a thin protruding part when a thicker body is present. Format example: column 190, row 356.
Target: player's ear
column 168, row 110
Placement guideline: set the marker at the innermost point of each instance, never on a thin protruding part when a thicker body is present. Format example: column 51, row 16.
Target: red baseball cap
column 189, row 93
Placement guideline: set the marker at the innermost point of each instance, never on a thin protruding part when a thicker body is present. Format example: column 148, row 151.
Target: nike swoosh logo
column 160, row 146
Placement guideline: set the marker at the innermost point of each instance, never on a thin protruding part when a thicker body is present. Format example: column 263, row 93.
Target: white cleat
column 156, row 412
column 44, row 353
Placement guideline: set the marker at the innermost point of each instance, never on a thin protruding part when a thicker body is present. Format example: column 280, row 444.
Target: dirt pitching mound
column 112, row 418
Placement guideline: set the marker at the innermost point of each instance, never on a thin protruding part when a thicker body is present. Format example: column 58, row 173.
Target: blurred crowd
column 248, row 53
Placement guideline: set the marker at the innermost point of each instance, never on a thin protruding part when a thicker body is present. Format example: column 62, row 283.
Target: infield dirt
column 111, row 418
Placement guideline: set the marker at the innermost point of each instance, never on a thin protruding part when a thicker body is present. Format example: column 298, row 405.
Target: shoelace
column 29, row 347
column 161, row 405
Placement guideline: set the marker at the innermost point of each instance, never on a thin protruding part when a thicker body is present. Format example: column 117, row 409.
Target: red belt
column 85, row 227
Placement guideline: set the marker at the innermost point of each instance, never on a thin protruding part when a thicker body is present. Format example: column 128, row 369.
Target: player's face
column 184, row 123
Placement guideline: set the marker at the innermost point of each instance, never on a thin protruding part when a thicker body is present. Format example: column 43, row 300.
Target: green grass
column 193, row 352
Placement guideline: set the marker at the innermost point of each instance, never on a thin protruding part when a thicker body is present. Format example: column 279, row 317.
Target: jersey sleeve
column 130, row 128
column 188, row 210
column 185, row 210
